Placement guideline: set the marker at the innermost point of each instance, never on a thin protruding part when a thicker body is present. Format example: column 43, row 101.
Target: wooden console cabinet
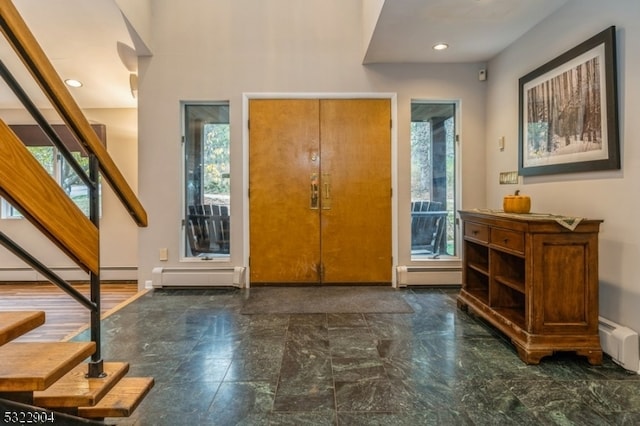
column 533, row 279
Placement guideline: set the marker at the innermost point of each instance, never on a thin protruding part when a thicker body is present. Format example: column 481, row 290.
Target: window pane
column 216, row 162
column 207, row 210
column 46, row 156
column 64, row 175
column 73, row 185
column 432, row 179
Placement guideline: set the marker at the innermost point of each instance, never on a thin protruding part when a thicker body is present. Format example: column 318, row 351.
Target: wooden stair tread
column 32, row 366
column 16, row 323
column 74, row 389
column 121, row 401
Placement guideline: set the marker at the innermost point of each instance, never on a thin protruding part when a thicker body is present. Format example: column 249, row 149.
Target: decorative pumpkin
column 516, row 203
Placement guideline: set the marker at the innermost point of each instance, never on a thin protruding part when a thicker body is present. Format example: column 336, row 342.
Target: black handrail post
column 96, row 366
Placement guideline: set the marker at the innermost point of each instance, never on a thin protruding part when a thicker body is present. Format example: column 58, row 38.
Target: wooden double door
column 320, row 191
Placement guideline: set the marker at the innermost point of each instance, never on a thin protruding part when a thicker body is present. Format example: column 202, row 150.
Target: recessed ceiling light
column 73, row 83
column 440, row 46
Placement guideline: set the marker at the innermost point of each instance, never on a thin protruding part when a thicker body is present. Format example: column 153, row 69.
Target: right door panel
column 356, row 159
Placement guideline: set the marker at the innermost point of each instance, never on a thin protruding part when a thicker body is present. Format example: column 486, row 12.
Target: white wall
column 218, row 50
column 607, row 195
column 119, row 234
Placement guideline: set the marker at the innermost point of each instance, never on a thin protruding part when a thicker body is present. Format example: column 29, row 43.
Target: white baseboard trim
column 420, row 275
column 114, row 273
column 199, row 277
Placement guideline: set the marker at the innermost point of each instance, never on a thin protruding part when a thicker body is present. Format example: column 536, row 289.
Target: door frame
column 246, row 97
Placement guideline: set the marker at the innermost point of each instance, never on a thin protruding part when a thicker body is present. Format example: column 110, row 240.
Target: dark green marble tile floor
column 437, row 366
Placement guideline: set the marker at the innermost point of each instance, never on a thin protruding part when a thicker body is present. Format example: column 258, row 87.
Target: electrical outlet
column 508, row 178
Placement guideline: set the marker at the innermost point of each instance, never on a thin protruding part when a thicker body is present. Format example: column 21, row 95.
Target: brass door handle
column 315, row 193
column 326, row 200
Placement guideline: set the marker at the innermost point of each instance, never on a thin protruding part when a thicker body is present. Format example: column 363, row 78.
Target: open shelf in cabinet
column 478, row 285
column 515, row 285
column 508, row 270
column 510, row 302
column 481, row 269
column 478, row 256
column 477, row 270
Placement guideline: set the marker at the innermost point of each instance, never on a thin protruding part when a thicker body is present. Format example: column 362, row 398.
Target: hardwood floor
column 65, row 317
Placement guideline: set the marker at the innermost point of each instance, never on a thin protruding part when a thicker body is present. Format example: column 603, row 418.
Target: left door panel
column 284, row 166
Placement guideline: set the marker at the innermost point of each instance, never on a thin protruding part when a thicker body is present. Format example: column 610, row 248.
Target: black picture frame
column 568, row 111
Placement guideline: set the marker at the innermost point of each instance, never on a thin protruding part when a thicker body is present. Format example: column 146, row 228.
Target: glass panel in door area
column 206, row 191
column 433, row 186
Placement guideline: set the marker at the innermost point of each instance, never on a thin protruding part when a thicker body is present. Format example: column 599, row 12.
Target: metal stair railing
column 26, row 185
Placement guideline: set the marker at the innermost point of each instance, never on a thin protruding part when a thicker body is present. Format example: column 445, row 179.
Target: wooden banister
column 34, row 59
column 29, row 188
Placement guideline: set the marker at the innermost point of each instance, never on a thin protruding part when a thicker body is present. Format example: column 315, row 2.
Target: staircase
column 66, row 379
column 52, row 375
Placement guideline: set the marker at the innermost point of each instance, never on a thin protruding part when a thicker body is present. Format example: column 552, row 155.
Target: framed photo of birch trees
column 568, row 119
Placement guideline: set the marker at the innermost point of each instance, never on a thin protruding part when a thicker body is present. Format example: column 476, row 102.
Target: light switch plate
column 508, row 178
column 164, row 254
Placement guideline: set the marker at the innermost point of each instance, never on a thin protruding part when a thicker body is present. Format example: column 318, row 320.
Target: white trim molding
column 70, row 273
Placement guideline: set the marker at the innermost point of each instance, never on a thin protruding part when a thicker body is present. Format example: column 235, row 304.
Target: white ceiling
column 81, row 38
column 88, row 39
column 475, row 30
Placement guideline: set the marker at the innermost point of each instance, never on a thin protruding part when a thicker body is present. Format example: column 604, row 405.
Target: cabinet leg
column 532, row 357
column 594, row 357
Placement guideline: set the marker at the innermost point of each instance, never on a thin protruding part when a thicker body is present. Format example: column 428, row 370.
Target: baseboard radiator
column 436, row 276
column 621, row 343
column 199, row 277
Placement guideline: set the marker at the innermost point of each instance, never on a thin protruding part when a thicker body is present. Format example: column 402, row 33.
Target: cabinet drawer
column 476, row 231
column 510, row 240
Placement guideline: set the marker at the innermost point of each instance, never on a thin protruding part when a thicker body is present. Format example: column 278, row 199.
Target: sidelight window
column 433, row 171
column 206, row 180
